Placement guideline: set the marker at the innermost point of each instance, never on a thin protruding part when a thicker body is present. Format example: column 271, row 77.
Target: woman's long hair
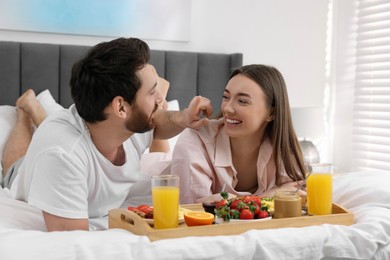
column 286, row 149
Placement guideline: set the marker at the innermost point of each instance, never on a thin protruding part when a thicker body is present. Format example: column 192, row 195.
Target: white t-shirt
column 65, row 175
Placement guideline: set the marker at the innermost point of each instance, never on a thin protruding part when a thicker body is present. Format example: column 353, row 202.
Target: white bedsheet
column 366, row 194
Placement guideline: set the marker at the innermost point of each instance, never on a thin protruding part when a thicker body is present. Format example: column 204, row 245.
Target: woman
column 251, row 149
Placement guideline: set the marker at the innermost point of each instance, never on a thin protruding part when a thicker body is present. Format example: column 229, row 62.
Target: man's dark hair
column 108, row 70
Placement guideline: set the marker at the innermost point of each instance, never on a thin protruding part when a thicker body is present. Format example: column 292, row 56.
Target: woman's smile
column 232, row 122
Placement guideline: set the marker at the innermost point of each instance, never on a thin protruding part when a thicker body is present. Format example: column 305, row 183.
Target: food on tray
column 198, row 218
column 287, row 204
column 146, row 211
column 243, row 207
column 209, row 206
column 182, row 211
column 268, row 202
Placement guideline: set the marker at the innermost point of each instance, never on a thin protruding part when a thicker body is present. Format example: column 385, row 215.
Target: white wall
column 290, row 35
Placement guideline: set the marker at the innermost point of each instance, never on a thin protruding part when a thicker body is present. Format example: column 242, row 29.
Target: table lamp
column 308, row 123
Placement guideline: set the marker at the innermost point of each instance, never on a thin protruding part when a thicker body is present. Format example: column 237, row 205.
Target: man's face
column 140, row 122
column 146, row 102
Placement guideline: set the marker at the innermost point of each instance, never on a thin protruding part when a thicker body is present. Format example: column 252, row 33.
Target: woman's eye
column 225, row 97
column 243, row 101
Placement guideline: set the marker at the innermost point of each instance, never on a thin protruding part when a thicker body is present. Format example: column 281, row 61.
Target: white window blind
column 371, row 122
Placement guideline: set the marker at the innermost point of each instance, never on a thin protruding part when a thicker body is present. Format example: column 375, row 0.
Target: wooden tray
column 125, row 219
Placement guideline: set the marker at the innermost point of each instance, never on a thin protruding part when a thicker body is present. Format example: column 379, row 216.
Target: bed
column 22, row 231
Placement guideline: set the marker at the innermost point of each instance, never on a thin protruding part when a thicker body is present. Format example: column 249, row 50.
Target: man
column 83, row 161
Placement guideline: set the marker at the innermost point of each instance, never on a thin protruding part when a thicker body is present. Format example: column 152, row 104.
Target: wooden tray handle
column 126, row 219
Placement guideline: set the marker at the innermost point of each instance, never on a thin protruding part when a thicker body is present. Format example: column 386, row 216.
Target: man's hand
column 197, row 113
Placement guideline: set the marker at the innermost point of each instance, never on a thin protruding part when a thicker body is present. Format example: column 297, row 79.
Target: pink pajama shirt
column 203, row 160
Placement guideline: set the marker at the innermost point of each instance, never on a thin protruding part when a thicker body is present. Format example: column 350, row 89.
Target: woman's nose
column 228, row 107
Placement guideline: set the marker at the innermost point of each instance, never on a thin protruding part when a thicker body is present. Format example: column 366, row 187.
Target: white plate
column 250, row 220
column 220, row 220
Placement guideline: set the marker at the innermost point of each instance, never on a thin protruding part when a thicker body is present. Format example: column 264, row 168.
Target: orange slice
column 198, row 218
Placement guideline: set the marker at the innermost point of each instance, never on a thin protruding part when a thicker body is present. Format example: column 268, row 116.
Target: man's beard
column 140, row 122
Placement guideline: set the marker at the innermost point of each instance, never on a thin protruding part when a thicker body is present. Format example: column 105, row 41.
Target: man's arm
column 55, row 223
column 171, row 123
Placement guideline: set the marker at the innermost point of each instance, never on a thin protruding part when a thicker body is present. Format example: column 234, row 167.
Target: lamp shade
column 307, row 121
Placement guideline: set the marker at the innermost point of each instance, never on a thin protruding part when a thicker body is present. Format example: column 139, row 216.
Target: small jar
column 287, row 204
column 209, row 206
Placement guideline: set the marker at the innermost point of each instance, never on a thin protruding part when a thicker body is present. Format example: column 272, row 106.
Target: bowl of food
column 209, row 206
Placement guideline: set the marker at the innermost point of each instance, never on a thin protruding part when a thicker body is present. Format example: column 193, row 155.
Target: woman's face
column 244, row 108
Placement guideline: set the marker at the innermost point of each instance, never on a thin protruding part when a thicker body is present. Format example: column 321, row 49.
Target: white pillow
column 17, row 214
column 48, row 102
column 8, row 117
column 173, row 105
column 7, row 122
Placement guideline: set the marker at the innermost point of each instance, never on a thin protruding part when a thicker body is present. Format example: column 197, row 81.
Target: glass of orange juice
column 319, row 189
column 165, row 197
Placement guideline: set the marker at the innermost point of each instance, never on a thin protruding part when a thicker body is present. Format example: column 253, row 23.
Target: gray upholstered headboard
column 48, row 66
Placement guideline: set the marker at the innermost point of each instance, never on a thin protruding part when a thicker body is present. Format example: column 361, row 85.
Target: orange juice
column 319, row 193
column 165, row 206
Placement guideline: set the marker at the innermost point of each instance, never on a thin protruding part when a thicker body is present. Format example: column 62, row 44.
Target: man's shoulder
column 63, row 123
column 60, row 133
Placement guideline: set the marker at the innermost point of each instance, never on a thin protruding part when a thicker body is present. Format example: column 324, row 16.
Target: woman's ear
column 118, row 105
column 270, row 118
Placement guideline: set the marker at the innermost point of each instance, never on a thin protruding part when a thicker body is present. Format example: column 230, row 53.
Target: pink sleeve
column 190, row 161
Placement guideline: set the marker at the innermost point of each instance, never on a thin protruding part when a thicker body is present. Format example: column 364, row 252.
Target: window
column 371, row 105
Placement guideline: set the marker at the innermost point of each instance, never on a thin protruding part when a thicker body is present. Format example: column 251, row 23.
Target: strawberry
column 221, row 204
column 247, row 199
column 243, row 207
column 144, row 211
column 255, row 209
column 252, row 198
column 236, row 203
column 132, row 208
column 145, row 208
column 246, row 214
column 263, row 214
column 256, row 199
column 223, row 201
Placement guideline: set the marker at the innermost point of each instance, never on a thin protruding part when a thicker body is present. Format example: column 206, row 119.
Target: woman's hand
column 290, row 186
column 197, row 113
column 293, row 186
